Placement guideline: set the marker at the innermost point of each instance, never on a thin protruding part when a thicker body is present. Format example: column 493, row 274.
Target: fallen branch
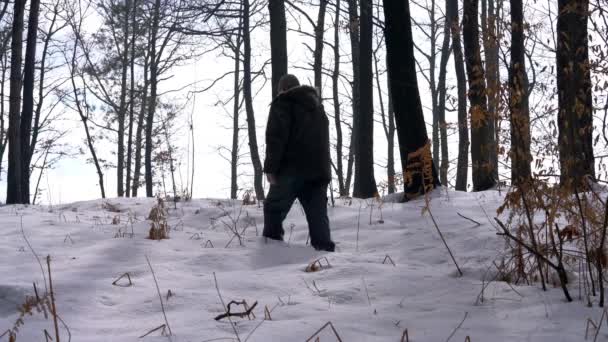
column 458, row 327
column 316, row 265
column 470, row 219
column 589, row 322
column 599, row 326
column 388, row 258
column 328, row 324
column 428, row 208
column 155, row 329
column 228, row 313
column 53, row 307
column 160, row 297
column 115, row 283
column 405, row 337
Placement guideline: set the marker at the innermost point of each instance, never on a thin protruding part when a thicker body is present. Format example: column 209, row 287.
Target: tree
column 14, row 193
column 27, row 114
column 441, row 95
column 417, row 162
column 481, row 133
column 490, row 15
column 365, row 183
column 575, row 116
column 339, row 165
column 518, row 99
column 462, row 167
column 353, row 32
column 247, row 93
column 278, row 42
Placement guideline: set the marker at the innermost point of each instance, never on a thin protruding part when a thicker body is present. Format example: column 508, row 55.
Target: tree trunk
column 336, row 97
column 575, row 118
column 278, row 42
column 29, row 71
column 419, row 171
column 14, row 191
column 518, row 96
column 353, row 30
column 140, row 128
column 391, row 140
column 365, row 183
column 38, row 111
column 153, row 100
column 247, row 93
column 481, row 133
column 390, row 173
column 462, row 168
column 319, row 43
column 131, row 101
column 3, row 135
column 490, row 40
column 441, row 94
column 122, row 111
column 235, row 118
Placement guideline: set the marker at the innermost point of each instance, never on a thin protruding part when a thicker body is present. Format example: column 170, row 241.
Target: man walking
column 297, row 161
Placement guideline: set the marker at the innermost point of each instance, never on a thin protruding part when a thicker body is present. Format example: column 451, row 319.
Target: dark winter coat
column 297, row 136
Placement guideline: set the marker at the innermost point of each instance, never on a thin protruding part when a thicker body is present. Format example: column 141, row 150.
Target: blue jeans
column 313, row 197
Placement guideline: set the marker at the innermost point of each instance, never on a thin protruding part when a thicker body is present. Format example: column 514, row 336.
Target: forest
column 502, row 105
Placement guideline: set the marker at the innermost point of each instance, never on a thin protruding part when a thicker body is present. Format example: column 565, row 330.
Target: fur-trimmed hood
column 304, row 95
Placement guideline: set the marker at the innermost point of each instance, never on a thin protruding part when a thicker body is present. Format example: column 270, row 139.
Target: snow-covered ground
column 364, row 298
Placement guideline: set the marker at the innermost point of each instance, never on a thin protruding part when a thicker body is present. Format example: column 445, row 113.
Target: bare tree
column 15, row 157
column 463, row 127
column 518, row 96
column 481, row 133
column 575, row 118
column 278, row 42
column 365, row 183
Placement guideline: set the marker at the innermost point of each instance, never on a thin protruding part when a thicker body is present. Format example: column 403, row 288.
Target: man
column 297, row 161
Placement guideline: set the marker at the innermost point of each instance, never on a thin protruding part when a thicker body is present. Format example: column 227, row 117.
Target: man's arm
column 277, row 134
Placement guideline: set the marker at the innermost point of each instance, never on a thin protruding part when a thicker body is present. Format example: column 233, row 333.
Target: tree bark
column 390, row 137
column 337, row 112
column 319, row 43
column 122, row 111
column 3, row 135
column 489, row 18
column 462, row 167
column 353, row 30
column 131, row 101
column 518, row 100
column 29, row 71
column 235, row 117
column 417, row 162
column 278, row 42
column 247, row 93
column 365, row 183
column 152, row 99
column 14, row 193
column 441, row 94
column 481, row 122
column 575, row 117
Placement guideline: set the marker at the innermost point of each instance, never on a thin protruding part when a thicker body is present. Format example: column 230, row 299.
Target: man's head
column 287, row 82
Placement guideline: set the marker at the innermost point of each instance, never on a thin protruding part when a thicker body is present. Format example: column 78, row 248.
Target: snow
column 364, row 299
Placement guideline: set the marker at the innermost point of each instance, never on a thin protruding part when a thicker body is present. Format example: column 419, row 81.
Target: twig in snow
column 328, row 324
column 35, row 255
column 458, row 327
column 236, row 333
column 428, row 208
column 261, row 322
column 115, row 282
column 589, row 322
column 467, row 339
column 267, row 316
column 228, row 313
column 405, row 337
column 369, row 301
column 53, row 307
column 155, row 329
column 470, row 219
column 599, row 326
column 47, row 336
column 160, row 297
column 316, row 265
column 388, row 258
column 208, row 244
